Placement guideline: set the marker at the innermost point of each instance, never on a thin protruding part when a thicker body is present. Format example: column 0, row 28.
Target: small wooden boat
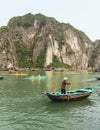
column 1, row 77
column 72, row 95
column 98, row 78
column 59, row 69
column 20, row 74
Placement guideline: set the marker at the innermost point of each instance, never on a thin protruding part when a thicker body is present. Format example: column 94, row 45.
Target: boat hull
column 70, row 96
column 1, row 77
column 19, row 74
column 98, row 78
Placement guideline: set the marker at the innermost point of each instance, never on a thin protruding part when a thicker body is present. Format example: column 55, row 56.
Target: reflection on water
column 23, row 107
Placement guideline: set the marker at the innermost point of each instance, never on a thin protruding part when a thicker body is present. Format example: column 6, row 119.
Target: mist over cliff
column 41, row 41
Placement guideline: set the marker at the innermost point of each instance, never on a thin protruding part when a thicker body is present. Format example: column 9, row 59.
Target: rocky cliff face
column 96, row 55
column 7, row 49
column 38, row 41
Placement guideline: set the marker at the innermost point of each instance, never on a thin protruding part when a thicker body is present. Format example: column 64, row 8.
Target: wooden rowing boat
column 72, row 95
column 1, row 77
column 20, row 74
column 98, row 78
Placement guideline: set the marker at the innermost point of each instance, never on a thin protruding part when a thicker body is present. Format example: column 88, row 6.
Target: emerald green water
column 23, row 107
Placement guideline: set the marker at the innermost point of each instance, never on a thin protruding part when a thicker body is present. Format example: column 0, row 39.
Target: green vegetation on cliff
column 94, row 55
column 33, row 37
column 24, row 55
column 24, row 21
column 3, row 29
column 56, row 63
column 27, row 20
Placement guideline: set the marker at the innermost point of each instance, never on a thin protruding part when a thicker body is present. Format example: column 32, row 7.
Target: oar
column 69, row 92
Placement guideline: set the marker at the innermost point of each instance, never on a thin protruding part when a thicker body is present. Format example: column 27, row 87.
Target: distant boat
column 72, row 95
column 47, row 69
column 1, row 77
column 97, row 70
column 59, row 69
column 98, row 78
column 20, row 74
column 39, row 77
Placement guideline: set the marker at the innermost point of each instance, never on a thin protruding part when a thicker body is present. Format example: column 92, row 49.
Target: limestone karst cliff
column 40, row 41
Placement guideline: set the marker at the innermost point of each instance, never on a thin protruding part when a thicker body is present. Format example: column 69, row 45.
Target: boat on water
column 98, row 78
column 20, row 74
column 40, row 77
column 1, row 77
column 59, row 69
column 36, row 77
column 72, row 95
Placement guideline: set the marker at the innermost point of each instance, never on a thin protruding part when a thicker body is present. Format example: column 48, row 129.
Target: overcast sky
column 82, row 14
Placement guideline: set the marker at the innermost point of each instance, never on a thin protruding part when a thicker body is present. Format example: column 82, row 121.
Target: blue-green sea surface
column 24, row 107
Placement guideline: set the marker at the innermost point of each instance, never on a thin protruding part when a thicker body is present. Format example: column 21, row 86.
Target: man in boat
column 64, row 83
